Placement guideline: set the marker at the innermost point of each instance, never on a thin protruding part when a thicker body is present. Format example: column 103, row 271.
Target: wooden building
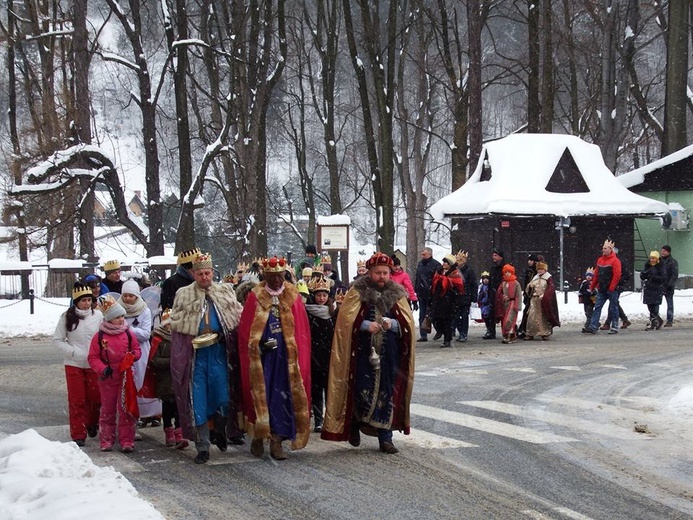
column 545, row 194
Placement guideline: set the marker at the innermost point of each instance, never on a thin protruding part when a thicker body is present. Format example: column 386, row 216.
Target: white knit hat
column 131, row 287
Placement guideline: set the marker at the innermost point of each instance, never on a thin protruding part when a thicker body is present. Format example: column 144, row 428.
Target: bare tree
column 675, row 136
column 132, row 26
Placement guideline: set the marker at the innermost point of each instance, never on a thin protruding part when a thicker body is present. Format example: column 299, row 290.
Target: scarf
column 319, row 311
column 111, row 328
column 83, row 314
column 134, row 309
column 163, row 332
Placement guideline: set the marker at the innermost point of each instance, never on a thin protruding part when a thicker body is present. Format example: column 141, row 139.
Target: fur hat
column 110, row 308
column 111, row 266
column 131, row 287
column 379, row 259
column 80, row 291
column 203, row 261
column 189, row 256
column 542, row 265
column 654, row 254
column 450, row 259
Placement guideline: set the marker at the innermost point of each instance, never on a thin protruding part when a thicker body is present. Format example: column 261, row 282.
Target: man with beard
column 372, row 362
column 204, row 359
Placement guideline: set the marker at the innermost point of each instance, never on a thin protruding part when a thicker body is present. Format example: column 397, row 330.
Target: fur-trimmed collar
column 383, row 299
column 188, row 307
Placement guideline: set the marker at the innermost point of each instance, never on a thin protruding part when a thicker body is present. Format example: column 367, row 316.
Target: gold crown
column 186, row 257
column 609, row 243
column 242, row 267
column 339, row 296
column 461, row 256
column 361, row 263
column 274, row 265
column 485, row 274
column 326, row 259
column 318, row 270
column 80, row 290
column 229, row 278
column 203, row 261
column 111, row 265
column 319, row 284
column 590, row 270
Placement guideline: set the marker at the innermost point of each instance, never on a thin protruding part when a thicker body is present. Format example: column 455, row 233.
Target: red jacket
column 403, row 279
column 608, row 270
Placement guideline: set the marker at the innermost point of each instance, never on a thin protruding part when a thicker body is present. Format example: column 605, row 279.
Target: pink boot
column 170, row 436
column 181, row 443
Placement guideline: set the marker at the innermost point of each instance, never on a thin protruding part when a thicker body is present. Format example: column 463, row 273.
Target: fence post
column 31, row 301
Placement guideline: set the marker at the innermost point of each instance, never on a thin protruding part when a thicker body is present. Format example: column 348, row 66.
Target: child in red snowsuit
column 112, row 352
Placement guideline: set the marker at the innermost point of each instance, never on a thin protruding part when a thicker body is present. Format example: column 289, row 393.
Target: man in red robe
column 372, row 361
column 274, row 350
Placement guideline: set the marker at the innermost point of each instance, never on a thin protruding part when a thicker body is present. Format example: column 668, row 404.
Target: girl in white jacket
column 72, row 336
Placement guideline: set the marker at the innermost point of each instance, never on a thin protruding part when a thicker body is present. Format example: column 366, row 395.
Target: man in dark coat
column 495, row 279
column 469, row 296
column 671, row 274
column 422, row 284
column 181, row 278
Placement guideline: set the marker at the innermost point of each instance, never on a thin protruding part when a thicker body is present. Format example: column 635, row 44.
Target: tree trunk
column 185, row 236
column 675, row 136
column 533, row 73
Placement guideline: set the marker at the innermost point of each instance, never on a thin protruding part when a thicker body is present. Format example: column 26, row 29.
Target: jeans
column 669, row 297
column 612, row 317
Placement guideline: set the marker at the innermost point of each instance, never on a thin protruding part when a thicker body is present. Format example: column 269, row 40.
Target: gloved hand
column 414, row 305
column 107, row 372
column 127, row 362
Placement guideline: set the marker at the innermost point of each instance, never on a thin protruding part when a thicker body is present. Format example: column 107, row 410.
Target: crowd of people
column 276, row 350
column 264, row 356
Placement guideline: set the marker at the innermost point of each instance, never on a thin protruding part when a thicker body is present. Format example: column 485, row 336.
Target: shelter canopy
column 544, row 174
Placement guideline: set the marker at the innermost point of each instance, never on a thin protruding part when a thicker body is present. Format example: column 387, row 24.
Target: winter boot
column 181, row 443
column 170, row 436
column 276, row 450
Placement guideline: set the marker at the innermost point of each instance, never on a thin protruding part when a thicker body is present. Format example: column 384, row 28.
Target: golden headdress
column 189, row 256
column 274, row 265
column 319, row 284
column 203, row 261
column 461, row 256
column 80, row 290
column 609, row 243
column 111, row 265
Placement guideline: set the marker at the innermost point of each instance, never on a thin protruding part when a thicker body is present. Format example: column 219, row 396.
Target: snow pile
column 45, row 479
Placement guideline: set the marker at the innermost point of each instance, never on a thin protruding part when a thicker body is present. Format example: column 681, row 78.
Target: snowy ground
column 45, row 479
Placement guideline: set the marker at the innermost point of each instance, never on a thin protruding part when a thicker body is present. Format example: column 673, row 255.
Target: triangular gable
column 567, row 177
column 486, row 172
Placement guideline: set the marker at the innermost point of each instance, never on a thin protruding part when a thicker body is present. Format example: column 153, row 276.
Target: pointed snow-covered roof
column 543, row 174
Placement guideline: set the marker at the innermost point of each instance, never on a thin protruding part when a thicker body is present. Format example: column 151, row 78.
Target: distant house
column 669, row 180
column 533, row 193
